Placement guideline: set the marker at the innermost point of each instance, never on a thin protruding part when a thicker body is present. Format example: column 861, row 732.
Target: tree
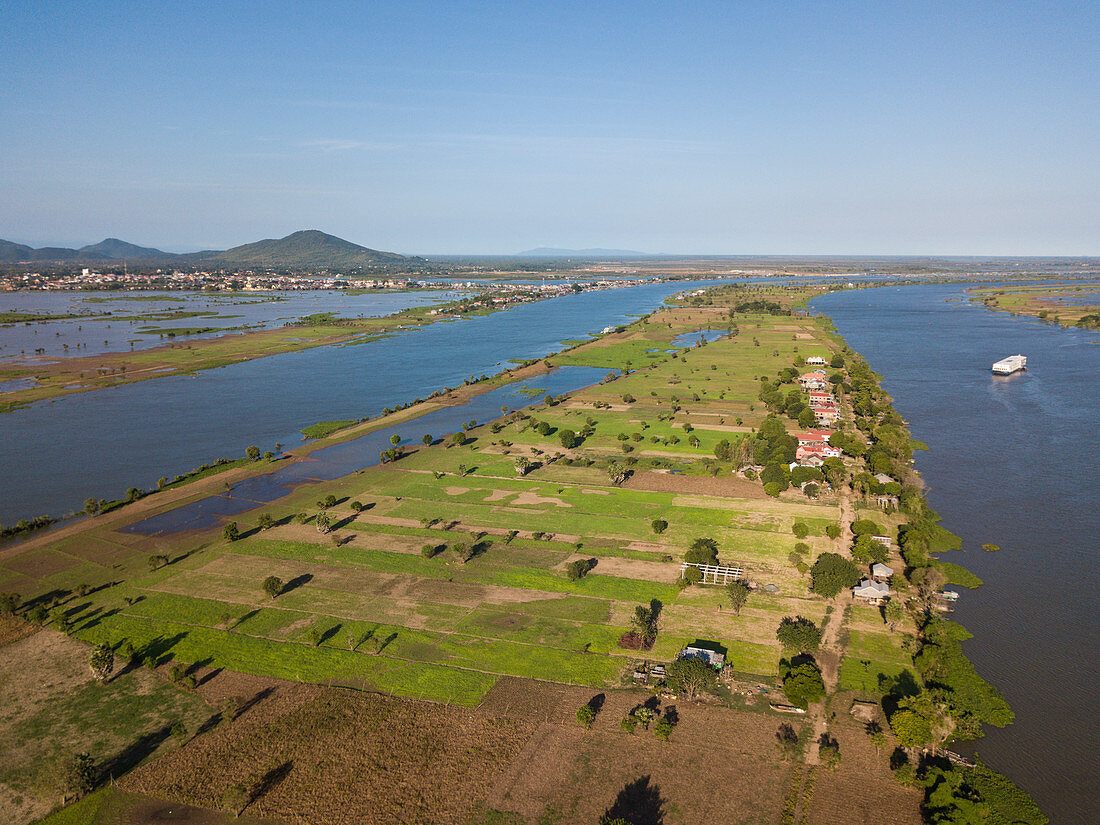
column 912, row 729
column 102, row 661
column 663, row 729
column 9, row 602
column 253, row 453
column 865, row 526
column 91, row 506
column 690, row 576
column 799, row 635
column 644, row 715
column 231, row 531
column 658, row 525
column 690, row 675
column 395, row 439
column 265, row 521
column 703, row 551
column 790, row 743
column 523, row 465
column 645, row 623
column 356, row 506
column 586, row 715
column 273, row 586
column 427, row 440
column 800, row 530
column 723, row 450
column 866, row 550
column 616, row 473
column 832, row 531
column 738, row 593
column 579, row 568
column 323, row 522
column 832, row 573
column 157, row 560
column 802, row 683
column 80, row 775
column 828, row 750
column 568, row 439
column 133, row 494
column 893, row 613
column 543, row 428
column 458, row 439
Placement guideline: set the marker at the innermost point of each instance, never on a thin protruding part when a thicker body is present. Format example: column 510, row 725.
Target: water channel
column 56, row 453
column 1011, row 462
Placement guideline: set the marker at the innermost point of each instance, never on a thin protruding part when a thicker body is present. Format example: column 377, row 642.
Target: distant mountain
column 113, row 248
column 555, row 252
column 308, row 249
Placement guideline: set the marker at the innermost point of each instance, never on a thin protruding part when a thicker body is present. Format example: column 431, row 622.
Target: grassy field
column 370, row 609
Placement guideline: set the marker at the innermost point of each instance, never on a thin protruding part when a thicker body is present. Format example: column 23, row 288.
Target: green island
column 1052, row 303
column 677, row 574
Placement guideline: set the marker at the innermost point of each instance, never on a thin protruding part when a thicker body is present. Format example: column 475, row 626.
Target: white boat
column 1007, row 366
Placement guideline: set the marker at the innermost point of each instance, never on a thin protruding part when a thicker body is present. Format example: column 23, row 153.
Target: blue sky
column 453, row 127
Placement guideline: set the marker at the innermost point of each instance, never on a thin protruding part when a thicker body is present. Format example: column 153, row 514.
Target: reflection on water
column 1011, row 462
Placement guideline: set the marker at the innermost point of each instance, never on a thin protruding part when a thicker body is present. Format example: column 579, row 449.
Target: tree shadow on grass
column 639, row 802
column 96, row 616
column 157, row 649
column 133, row 754
column 328, row 634
column 296, row 582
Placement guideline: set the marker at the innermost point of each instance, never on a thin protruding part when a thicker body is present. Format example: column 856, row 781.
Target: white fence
column 715, row 573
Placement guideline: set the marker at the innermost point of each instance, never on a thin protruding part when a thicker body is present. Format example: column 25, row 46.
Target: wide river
column 1012, row 461
column 57, row 453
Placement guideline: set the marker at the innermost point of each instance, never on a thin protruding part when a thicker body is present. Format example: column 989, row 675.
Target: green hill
column 310, row 248
column 114, row 248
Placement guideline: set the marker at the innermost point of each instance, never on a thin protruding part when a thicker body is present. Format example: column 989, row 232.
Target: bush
column 658, row 525
column 773, row 489
column 663, row 729
column 628, row 723
column 800, row 530
column 833, row 531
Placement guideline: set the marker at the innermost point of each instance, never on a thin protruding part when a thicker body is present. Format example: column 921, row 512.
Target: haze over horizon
column 427, row 128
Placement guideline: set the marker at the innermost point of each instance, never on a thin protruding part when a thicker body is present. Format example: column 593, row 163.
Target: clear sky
column 456, row 127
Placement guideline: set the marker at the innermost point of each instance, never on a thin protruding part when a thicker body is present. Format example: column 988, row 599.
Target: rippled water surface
column 1012, row 461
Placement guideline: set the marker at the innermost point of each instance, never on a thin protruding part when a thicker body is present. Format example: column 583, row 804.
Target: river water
column 57, row 453
column 1012, row 461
